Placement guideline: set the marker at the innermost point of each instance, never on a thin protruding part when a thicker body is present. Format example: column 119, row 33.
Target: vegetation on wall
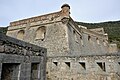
column 111, row 27
column 3, row 30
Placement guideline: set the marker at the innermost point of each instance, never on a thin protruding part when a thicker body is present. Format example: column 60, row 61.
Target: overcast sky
column 81, row 10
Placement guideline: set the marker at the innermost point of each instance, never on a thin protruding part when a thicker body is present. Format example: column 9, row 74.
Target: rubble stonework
column 73, row 51
column 93, row 67
column 17, row 58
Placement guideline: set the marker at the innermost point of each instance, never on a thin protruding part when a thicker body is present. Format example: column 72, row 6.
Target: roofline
column 82, row 29
column 34, row 19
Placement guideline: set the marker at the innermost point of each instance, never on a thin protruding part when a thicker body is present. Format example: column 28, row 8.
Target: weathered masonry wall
column 47, row 31
column 102, row 67
column 85, row 42
column 60, row 35
column 20, row 60
column 60, row 38
column 73, row 52
column 51, row 36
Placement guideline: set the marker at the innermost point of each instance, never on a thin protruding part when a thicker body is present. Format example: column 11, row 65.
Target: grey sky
column 81, row 10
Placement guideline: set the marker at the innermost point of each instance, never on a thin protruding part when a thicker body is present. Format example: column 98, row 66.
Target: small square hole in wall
column 55, row 63
column 101, row 65
column 119, row 63
column 83, row 65
column 68, row 64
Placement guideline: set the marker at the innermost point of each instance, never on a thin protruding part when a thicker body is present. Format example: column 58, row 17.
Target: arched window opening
column 20, row 34
column 40, row 33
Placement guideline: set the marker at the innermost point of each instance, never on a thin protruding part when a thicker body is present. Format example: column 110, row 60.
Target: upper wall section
column 47, row 19
column 58, row 32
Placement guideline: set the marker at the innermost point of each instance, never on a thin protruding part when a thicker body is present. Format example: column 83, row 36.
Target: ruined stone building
column 20, row 60
column 73, row 51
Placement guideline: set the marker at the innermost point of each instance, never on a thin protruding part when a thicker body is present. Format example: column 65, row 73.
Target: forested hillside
column 111, row 27
column 3, row 30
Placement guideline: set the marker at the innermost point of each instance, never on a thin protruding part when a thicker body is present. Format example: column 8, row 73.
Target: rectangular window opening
column 83, row 65
column 101, row 65
column 10, row 71
column 89, row 38
column 34, row 71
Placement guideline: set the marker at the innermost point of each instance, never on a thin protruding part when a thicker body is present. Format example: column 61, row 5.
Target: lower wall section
column 83, row 68
column 17, row 67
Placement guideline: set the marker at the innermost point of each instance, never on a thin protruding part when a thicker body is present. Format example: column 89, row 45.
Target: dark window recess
column 73, row 31
column 56, row 63
column 101, row 65
column 10, row 71
column 34, row 71
column 80, row 37
column 83, row 65
column 68, row 64
column 89, row 38
column 119, row 63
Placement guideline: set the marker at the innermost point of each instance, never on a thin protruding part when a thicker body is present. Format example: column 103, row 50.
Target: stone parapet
column 13, row 46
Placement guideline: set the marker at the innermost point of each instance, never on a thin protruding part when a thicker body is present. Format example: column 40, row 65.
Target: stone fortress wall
column 57, row 32
column 20, row 60
column 99, row 67
column 73, row 52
